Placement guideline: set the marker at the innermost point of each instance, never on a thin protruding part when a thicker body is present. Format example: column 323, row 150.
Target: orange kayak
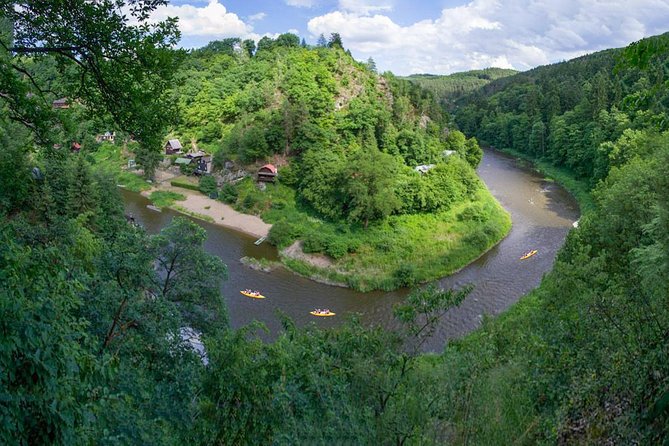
column 253, row 295
column 322, row 314
column 529, row 254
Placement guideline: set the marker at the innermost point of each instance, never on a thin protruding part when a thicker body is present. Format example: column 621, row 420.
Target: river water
column 542, row 214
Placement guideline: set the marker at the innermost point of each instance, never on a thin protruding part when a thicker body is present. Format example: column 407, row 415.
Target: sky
column 437, row 36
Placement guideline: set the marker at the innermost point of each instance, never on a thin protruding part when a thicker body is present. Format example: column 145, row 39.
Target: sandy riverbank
column 221, row 213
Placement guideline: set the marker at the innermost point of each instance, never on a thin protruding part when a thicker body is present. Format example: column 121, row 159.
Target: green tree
column 371, row 65
column 538, row 138
column 369, row 186
column 335, row 41
column 187, row 274
column 81, row 192
column 249, row 45
column 112, row 67
column 47, row 366
column 473, row 152
column 288, row 40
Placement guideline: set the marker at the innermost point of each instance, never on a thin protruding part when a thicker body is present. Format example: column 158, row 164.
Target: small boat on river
column 529, row 254
column 322, row 313
column 253, row 294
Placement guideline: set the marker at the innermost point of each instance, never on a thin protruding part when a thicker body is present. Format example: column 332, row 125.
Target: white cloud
column 511, row 33
column 301, row 3
column 365, row 6
column 257, row 17
column 212, row 20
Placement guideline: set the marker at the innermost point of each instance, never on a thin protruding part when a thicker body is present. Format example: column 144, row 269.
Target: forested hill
column 284, row 99
column 349, row 145
column 567, row 112
column 449, row 88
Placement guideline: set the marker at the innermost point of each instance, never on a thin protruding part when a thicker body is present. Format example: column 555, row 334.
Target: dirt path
column 295, row 251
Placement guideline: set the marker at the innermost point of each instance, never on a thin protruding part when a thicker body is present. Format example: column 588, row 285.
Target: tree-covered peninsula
column 371, row 175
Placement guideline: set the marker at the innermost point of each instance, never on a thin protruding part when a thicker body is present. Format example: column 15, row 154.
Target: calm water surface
column 542, row 214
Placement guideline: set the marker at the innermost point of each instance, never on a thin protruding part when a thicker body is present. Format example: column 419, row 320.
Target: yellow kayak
column 253, row 295
column 529, row 254
column 322, row 314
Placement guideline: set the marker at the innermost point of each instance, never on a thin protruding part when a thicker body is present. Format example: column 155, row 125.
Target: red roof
column 267, row 167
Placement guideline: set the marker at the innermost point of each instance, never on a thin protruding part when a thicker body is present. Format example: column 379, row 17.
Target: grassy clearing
column 183, row 210
column 162, row 198
column 109, row 158
column 400, row 251
column 185, row 182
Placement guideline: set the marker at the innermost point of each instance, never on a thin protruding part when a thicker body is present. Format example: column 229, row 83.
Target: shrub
column 249, row 202
column 288, row 176
column 353, row 245
column 208, row 185
column 184, row 184
column 187, row 169
column 383, row 245
column 337, row 248
column 279, row 204
column 315, row 243
column 405, row 275
column 229, row 194
column 283, row 233
column 477, row 239
column 475, row 212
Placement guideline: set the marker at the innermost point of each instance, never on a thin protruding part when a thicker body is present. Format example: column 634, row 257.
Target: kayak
column 315, row 313
column 255, row 296
column 529, row 254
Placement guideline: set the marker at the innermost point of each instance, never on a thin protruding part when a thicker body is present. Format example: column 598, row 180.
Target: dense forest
column 449, row 89
column 102, row 325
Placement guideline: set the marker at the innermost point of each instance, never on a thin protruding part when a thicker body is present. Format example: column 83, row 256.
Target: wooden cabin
column 60, row 103
column 267, row 173
column 173, row 146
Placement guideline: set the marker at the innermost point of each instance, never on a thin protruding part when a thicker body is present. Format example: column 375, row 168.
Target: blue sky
column 440, row 36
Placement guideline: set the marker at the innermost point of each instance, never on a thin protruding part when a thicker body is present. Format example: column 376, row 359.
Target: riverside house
column 60, row 103
column 173, row 146
column 267, row 173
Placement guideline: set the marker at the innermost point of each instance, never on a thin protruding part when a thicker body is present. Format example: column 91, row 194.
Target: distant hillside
column 451, row 87
column 564, row 112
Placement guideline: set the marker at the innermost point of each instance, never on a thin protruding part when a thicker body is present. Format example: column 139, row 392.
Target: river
column 542, row 213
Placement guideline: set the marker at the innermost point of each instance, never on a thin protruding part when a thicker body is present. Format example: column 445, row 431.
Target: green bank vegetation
column 403, row 250
column 163, row 198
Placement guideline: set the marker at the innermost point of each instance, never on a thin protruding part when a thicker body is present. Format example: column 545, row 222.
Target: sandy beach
column 221, row 213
